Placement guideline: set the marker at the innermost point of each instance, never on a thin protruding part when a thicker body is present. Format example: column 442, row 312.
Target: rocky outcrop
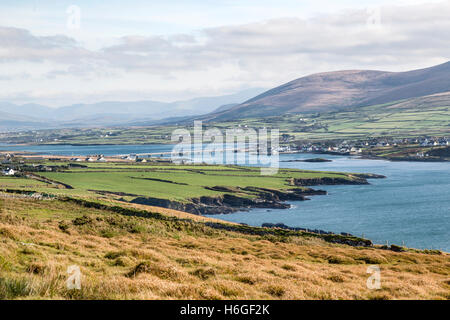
column 190, row 207
column 346, row 239
column 352, row 179
column 234, row 199
column 309, row 160
column 285, row 227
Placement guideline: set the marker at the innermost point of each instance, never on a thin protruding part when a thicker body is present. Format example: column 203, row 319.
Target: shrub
column 80, row 221
column 137, row 228
column 204, row 274
column 336, row 278
column 108, row 233
column 340, row 260
column 373, row 259
column 397, row 248
column 63, row 226
column 142, row 267
column 275, row 291
column 288, row 267
column 160, row 271
column 36, row 268
column 430, row 251
column 119, row 262
column 7, row 234
column 246, row 279
column 114, row 255
column 13, row 288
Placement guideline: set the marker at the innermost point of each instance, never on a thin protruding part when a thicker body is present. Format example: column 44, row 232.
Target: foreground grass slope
column 159, row 257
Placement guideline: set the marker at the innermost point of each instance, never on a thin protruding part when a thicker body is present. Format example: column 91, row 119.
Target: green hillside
column 413, row 117
column 428, row 115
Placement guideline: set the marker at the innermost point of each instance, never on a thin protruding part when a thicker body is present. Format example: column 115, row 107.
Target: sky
column 83, row 51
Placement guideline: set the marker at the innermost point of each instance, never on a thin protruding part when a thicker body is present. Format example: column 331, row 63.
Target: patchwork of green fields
column 414, row 117
column 159, row 181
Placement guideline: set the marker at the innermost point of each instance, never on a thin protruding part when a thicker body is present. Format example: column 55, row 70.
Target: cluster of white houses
column 101, row 158
column 357, row 146
column 94, row 158
column 434, row 142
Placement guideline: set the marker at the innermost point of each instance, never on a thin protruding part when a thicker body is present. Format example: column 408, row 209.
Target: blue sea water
column 411, row 206
column 69, row 150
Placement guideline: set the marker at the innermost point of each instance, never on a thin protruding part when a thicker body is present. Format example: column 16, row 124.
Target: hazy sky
column 63, row 52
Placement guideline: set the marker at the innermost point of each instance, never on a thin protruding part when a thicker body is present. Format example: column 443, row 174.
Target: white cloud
column 223, row 59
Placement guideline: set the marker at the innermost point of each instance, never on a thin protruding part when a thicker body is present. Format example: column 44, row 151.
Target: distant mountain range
column 333, row 91
column 35, row 116
column 322, row 92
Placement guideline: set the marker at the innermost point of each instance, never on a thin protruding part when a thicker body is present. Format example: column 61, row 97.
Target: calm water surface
column 411, row 206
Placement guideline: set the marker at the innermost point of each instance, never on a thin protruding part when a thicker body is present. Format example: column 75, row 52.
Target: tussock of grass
column 204, row 274
column 247, row 279
column 13, row 288
column 159, row 270
column 338, row 259
column 36, row 268
column 372, row 259
column 336, row 278
column 114, row 255
column 81, row 221
column 276, row 291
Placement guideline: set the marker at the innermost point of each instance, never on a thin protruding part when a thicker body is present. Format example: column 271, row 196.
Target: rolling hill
column 333, row 91
column 111, row 113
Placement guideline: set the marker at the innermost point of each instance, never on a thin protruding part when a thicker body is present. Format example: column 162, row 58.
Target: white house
column 424, row 143
column 9, row 172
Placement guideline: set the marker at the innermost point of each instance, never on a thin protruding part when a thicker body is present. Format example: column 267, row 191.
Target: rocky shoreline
column 309, row 160
column 234, row 200
column 243, row 199
column 285, row 227
column 405, row 159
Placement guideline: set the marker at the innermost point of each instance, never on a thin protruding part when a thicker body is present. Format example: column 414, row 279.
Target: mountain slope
column 333, row 91
column 9, row 121
column 27, row 110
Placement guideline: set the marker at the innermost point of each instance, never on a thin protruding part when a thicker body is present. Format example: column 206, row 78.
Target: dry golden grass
column 144, row 258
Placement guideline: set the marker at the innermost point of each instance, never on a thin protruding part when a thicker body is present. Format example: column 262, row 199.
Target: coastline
column 405, row 158
column 234, row 200
column 265, row 204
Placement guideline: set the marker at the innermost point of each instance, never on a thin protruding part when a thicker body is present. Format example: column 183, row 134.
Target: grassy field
column 168, row 181
column 366, row 122
column 160, row 257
